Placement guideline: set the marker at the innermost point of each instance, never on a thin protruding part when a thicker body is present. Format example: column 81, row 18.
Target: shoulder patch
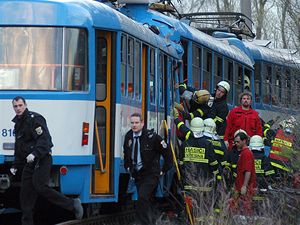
column 164, row 144
column 39, row 130
column 129, row 142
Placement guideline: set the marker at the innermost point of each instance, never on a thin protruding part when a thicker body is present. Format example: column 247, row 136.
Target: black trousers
column 35, row 178
column 146, row 185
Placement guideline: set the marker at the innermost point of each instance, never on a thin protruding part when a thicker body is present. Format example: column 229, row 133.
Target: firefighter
column 219, row 146
column 219, row 108
column 282, row 151
column 199, row 165
column 263, row 168
column 196, row 101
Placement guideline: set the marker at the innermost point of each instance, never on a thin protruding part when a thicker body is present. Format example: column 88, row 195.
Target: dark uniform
column 219, row 148
column 219, row 111
column 32, row 137
column 195, row 109
column 230, row 170
column 263, row 169
column 152, row 146
column 199, row 168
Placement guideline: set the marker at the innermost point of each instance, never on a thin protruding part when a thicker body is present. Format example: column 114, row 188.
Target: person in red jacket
column 242, row 117
column 245, row 182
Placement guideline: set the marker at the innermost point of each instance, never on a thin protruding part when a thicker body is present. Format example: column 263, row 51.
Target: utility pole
column 246, row 10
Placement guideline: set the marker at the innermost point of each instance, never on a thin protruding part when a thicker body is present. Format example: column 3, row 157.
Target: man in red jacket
column 245, row 182
column 242, row 117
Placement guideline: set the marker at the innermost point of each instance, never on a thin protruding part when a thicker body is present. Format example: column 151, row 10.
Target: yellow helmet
column 201, row 96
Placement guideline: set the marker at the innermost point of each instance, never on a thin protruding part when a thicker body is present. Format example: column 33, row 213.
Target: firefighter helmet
column 209, row 126
column 197, row 124
column 256, row 143
column 225, row 85
column 240, row 131
column 201, row 96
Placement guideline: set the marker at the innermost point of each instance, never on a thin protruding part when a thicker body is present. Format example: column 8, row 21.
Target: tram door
column 102, row 175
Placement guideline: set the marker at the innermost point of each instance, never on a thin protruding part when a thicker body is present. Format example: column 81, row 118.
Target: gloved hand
column 243, row 190
column 30, row 158
column 178, row 106
column 13, row 171
column 175, row 113
column 161, row 173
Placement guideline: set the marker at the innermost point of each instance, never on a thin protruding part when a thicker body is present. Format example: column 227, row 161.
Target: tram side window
column 130, row 65
column 286, row 88
column 152, row 76
column 137, row 72
column 75, row 45
column 101, row 65
column 257, row 81
column 161, row 79
column 267, row 82
column 218, row 69
column 228, row 76
column 123, row 63
column 207, row 63
column 238, row 82
column 196, row 65
column 276, row 94
column 296, row 89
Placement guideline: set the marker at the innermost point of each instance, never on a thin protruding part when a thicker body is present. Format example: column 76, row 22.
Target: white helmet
column 256, row 143
column 225, row 85
column 197, row 124
column 209, row 126
column 246, row 83
column 240, row 131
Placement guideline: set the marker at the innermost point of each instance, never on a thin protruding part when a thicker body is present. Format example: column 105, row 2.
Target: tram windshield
column 43, row 58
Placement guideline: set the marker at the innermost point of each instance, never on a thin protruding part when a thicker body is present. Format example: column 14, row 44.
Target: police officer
column 142, row 151
column 33, row 153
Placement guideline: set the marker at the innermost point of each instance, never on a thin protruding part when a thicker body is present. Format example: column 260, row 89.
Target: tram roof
column 274, row 56
column 76, row 13
column 208, row 41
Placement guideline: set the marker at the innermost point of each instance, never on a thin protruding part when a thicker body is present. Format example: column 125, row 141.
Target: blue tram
column 87, row 65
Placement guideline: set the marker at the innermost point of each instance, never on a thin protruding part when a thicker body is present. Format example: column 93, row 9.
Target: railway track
column 122, row 218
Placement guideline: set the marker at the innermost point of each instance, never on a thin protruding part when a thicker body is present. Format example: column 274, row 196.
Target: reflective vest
column 282, row 147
